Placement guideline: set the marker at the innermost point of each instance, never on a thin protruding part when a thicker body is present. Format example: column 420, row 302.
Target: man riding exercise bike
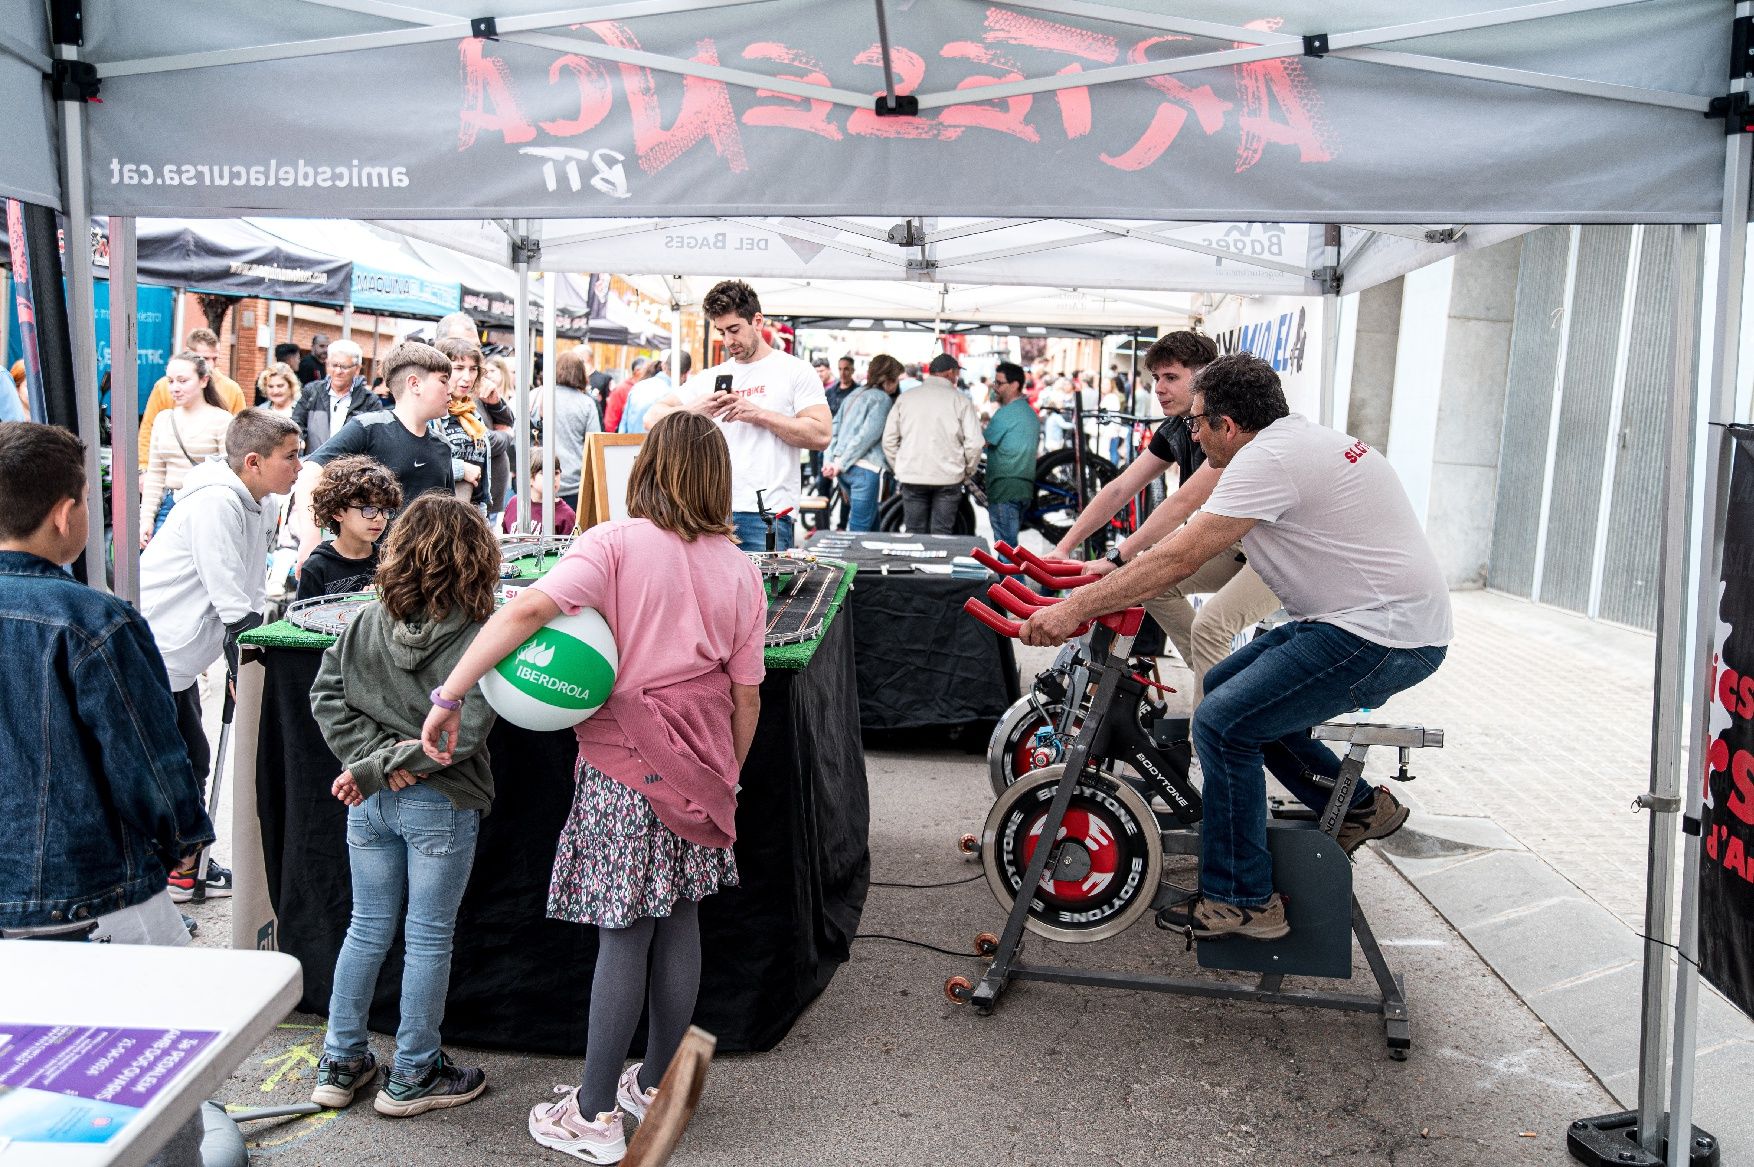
column 1325, row 521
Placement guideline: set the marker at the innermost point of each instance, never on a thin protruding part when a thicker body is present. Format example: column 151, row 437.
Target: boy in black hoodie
column 354, row 499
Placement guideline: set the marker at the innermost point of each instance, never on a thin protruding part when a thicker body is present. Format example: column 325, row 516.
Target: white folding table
column 238, row 995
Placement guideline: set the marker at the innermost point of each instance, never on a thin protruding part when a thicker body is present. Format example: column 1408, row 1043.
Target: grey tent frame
column 1663, row 1036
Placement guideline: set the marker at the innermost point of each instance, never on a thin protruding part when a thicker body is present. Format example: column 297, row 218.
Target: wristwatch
column 1114, row 556
column 443, row 702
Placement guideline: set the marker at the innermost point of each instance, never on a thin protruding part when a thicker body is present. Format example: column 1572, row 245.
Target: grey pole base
column 1611, row 1140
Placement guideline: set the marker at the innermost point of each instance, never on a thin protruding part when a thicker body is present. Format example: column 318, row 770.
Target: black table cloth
column 921, row 660
column 522, row 981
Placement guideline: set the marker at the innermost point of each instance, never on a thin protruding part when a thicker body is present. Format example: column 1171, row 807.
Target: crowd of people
column 399, row 489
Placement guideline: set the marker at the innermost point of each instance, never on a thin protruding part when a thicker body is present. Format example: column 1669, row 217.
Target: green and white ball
column 558, row 677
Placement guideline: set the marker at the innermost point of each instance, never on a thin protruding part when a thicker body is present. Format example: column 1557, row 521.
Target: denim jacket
column 858, row 430
column 96, row 793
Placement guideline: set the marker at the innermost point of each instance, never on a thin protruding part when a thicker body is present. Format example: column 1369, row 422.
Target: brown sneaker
column 1210, row 920
column 1380, row 818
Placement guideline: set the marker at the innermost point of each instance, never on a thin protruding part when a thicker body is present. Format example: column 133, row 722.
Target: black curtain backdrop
column 522, row 981
column 1726, row 883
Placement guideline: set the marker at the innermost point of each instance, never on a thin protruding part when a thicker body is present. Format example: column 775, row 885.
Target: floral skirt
column 617, row 862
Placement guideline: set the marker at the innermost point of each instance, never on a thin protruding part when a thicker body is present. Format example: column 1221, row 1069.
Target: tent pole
column 347, row 320
column 1330, row 275
column 177, row 309
column 81, row 315
column 888, row 65
column 526, row 367
column 124, row 408
column 550, row 366
column 6, row 357
column 1726, row 324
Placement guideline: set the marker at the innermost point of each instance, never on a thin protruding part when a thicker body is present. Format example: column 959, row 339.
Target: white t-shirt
column 1337, row 540
column 760, row 459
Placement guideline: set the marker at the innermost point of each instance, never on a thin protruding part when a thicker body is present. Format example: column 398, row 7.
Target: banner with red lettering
column 1726, row 885
column 575, row 120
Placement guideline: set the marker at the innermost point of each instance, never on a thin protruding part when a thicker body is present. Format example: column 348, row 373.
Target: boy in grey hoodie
column 203, row 578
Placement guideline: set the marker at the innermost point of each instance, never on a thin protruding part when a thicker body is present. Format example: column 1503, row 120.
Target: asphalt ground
column 883, row 1069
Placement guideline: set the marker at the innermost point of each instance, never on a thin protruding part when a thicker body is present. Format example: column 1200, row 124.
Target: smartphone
column 722, row 383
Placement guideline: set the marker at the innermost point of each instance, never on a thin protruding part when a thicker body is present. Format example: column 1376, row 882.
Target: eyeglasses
column 341, row 368
column 372, row 512
column 1195, row 421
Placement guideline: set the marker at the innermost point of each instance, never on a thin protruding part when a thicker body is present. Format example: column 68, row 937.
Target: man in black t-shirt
column 1238, row 597
column 402, row 438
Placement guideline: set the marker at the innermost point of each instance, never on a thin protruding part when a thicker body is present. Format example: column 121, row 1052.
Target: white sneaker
column 630, row 1097
column 559, row 1125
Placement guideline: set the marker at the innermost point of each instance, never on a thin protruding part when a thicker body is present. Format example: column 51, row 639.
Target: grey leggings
column 622, row 987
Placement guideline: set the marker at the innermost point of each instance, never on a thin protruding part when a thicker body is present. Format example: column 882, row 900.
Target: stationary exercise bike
column 1104, row 867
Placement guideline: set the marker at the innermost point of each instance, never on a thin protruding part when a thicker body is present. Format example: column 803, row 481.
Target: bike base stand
column 1611, row 1140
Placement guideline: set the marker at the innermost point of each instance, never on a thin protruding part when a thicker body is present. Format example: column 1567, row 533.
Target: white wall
column 1419, row 353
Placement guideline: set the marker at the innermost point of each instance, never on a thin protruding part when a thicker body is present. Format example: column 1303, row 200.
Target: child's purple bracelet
column 443, row 702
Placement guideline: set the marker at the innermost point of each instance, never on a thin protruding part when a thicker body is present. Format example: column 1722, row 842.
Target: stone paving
column 1548, row 719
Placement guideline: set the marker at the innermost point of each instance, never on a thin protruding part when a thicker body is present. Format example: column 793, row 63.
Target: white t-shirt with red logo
column 1336, row 540
column 760, row 459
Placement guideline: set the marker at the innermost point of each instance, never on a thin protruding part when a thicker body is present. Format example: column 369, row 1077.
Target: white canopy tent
column 1047, row 132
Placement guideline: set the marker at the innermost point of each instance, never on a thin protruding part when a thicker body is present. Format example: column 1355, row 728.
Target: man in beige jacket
column 933, row 439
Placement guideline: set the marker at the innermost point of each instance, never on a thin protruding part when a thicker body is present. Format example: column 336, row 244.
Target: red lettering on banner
column 1726, row 688
column 596, row 97
column 910, row 70
column 1167, row 122
column 488, row 101
column 1029, row 32
column 1741, row 800
column 706, row 113
column 1012, row 119
column 1746, row 709
column 1282, row 81
column 1074, row 106
column 810, row 116
column 1736, row 857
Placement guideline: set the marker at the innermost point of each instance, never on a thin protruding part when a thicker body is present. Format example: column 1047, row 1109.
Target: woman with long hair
column 655, row 785
column 184, row 436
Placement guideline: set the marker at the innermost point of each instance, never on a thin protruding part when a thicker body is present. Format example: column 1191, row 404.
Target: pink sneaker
column 560, row 1125
column 630, row 1097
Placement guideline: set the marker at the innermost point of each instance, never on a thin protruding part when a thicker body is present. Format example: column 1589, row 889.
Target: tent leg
column 550, row 366
column 1330, row 319
column 526, row 367
column 1726, row 326
column 82, row 317
column 124, row 406
column 1667, row 718
column 347, row 321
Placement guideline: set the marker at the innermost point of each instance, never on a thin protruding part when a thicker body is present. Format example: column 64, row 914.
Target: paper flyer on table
column 82, row 1084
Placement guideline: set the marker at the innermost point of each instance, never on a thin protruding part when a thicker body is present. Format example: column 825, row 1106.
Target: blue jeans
column 863, row 488
column 411, row 842
column 1260, row 702
column 1006, row 518
column 752, row 532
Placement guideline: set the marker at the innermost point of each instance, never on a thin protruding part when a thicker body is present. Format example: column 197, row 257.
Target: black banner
column 1726, row 891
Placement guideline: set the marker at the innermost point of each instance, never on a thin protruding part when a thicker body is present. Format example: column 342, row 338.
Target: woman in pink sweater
column 654, row 809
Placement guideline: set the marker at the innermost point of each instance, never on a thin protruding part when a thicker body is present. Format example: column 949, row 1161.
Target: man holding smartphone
column 770, row 405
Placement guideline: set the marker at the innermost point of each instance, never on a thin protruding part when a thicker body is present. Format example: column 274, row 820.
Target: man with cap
column 933, row 440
